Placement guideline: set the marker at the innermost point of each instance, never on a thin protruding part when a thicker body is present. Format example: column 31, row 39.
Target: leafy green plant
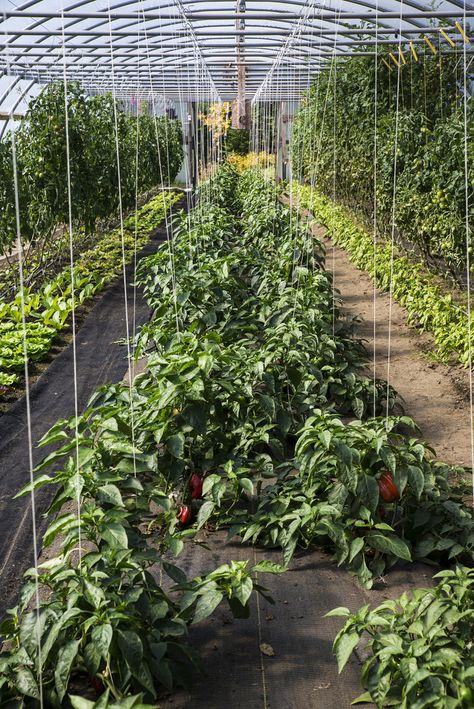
column 43, row 164
column 430, row 304
column 134, row 702
column 250, row 369
column 420, row 647
column 107, row 624
column 237, row 140
column 335, row 147
column 333, row 495
column 48, row 309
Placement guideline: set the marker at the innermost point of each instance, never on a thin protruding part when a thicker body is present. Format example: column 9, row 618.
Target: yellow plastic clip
column 394, row 59
column 413, row 51
column 447, row 37
column 389, row 67
column 402, row 56
column 462, row 33
column 430, row 45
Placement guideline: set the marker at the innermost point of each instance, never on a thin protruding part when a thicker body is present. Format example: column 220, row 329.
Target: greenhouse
column 236, row 354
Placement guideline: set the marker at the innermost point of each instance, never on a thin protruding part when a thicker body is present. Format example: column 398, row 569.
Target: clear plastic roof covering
column 196, row 49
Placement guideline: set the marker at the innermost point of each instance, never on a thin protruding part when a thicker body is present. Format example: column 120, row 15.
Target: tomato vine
column 42, row 162
column 334, row 148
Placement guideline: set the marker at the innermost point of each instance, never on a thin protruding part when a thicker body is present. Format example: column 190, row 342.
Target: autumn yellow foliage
column 218, row 119
column 244, row 162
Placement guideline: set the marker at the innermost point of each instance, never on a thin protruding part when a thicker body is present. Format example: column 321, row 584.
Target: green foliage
column 48, row 309
column 335, row 144
column 129, row 464
column 429, row 305
column 134, row 702
column 106, row 618
column 7, row 380
column 41, row 148
column 250, row 369
column 421, row 651
column 237, row 140
column 330, row 496
column 8, row 231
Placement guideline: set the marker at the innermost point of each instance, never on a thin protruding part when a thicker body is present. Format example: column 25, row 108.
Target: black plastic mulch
column 281, row 656
column 100, row 360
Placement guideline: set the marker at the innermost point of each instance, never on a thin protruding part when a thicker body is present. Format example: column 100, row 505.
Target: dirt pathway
column 436, row 396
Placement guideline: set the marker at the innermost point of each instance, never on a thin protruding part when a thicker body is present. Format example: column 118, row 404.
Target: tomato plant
column 43, row 167
column 337, row 152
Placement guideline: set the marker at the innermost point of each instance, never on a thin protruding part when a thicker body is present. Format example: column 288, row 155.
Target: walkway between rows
column 100, row 359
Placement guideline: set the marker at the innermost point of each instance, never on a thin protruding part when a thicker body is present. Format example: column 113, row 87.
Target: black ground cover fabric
column 100, row 360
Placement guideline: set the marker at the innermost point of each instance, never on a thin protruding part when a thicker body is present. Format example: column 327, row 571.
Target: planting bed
column 253, row 418
column 302, row 672
column 48, row 309
column 435, row 394
column 100, row 359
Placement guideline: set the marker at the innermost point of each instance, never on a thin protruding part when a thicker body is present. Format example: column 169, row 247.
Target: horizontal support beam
column 47, row 49
column 159, row 88
column 131, row 51
column 124, row 70
column 159, row 82
column 232, row 16
column 185, row 62
column 170, row 71
column 249, row 31
column 5, row 116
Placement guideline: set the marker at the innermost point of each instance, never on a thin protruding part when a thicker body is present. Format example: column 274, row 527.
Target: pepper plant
column 255, row 387
column 420, row 646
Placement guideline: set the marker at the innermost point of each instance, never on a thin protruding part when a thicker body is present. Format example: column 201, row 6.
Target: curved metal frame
column 179, row 44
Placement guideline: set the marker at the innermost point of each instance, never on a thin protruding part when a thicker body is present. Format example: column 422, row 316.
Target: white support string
column 28, row 411
column 266, row 90
column 333, row 69
column 308, row 124
column 131, row 355
column 313, row 121
column 19, row 245
column 137, row 172
column 122, row 236
column 160, row 168
column 73, row 290
column 468, row 258
column 169, row 213
column 394, row 205
column 333, row 263
column 375, row 205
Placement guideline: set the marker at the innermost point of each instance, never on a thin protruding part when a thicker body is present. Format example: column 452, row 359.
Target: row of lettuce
column 47, row 309
column 430, row 302
column 254, row 413
column 107, row 155
column 352, row 120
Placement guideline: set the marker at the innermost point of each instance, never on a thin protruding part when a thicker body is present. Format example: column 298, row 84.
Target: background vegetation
column 335, row 142
column 42, row 169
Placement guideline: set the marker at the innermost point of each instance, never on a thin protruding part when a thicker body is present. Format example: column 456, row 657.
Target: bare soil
column 435, row 395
